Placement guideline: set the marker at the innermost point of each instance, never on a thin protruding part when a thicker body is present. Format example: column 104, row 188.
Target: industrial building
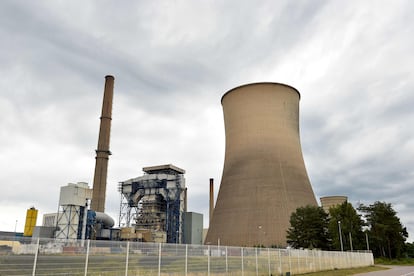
column 264, row 178
column 193, row 228
column 75, row 220
column 155, row 201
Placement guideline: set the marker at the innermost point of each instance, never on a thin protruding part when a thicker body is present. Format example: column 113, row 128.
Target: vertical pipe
column 103, row 152
column 211, row 198
column 185, row 200
column 84, row 221
column 35, row 258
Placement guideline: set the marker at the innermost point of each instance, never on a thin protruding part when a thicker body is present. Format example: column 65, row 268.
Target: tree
column 386, row 235
column 309, row 228
column 351, row 227
column 410, row 249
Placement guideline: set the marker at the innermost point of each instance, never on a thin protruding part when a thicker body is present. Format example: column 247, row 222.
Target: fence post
column 186, row 259
column 242, row 263
column 87, row 257
column 35, row 258
column 227, row 263
column 208, row 260
column 127, row 259
column 268, row 261
column 159, row 260
column 257, row 265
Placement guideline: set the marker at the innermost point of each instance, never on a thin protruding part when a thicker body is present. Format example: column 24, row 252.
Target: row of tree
column 375, row 227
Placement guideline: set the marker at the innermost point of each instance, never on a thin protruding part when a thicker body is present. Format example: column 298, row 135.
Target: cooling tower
column 264, row 177
column 103, row 152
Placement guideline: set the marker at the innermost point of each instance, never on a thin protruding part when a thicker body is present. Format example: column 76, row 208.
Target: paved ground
column 393, row 271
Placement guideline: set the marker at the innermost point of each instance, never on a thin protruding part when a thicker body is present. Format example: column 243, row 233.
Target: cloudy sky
column 352, row 62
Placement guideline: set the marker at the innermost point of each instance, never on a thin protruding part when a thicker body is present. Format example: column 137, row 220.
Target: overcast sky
column 352, row 62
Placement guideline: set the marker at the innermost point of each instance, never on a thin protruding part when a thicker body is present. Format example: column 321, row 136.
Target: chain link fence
column 24, row 256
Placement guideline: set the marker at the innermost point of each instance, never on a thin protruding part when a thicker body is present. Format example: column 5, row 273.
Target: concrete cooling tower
column 264, row 177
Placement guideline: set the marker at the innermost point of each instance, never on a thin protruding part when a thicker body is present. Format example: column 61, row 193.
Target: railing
column 24, row 256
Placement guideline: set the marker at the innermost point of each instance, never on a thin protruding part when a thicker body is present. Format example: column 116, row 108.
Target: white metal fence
column 57, row 257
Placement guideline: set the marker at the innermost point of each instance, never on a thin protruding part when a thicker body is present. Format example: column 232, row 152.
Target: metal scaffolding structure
column 155, row 201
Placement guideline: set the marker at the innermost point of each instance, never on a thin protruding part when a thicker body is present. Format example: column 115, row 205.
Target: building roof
column 163, row 168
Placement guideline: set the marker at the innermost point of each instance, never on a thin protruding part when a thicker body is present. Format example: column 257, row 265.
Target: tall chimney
column 102, row 152
column 211, row 198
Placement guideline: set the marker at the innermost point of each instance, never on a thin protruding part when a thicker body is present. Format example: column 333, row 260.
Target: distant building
column 49, row 219
column 332, row 201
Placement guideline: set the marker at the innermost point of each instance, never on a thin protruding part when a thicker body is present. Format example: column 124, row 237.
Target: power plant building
column 72, row 207
column 155, row 201
column 264, row 177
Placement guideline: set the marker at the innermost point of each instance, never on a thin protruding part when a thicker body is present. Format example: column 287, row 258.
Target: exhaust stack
column 103, row 152
column 211, row 198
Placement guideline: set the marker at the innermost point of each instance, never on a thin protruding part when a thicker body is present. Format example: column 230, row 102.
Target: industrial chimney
column 264, row 177
column 102, row 152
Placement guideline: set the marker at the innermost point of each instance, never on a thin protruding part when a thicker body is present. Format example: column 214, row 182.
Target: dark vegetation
column 375, row 227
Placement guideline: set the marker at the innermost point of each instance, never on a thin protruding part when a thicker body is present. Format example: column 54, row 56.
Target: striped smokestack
column 102, row 152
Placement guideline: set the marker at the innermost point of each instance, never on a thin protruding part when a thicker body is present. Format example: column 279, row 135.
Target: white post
column 127, row 259
column 227, row 263
column 242, row 263
column 35, row 258
column 159, row 260
column 257, row 265
column 87, row 257
column 268, row 260
column 340, row 235
column 186, row 259
column 208, row 260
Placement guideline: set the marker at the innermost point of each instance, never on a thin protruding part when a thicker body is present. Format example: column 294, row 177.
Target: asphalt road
column 393, row 271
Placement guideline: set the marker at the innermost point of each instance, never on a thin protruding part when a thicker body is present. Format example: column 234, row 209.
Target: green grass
column 402, row 261
column 346, row 272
